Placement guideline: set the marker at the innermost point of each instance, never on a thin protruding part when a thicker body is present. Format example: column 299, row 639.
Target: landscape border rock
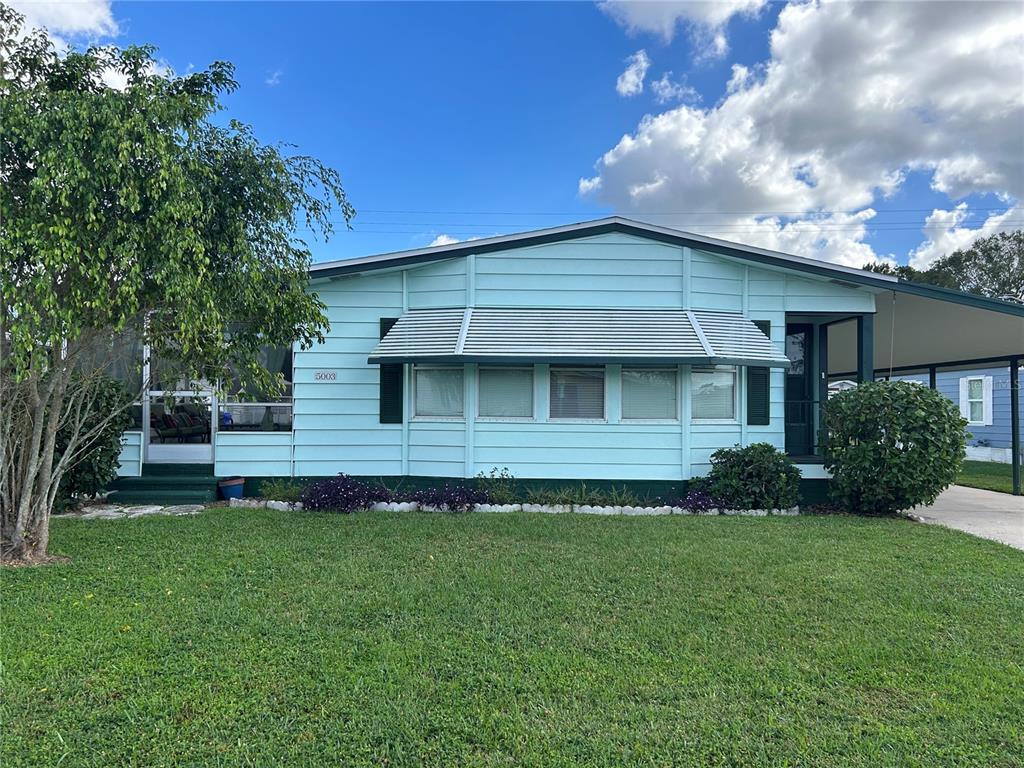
column 552, row 509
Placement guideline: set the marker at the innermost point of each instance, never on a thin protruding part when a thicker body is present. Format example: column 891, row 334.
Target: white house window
column 506, row 393
column 649, row 393
column 438, row 392
column 577, row 393
column 976, row 399
column 713, row 392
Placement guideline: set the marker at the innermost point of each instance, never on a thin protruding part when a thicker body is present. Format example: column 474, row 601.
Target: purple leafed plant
column 452, row 498
column 342, row 494
column 697, row 500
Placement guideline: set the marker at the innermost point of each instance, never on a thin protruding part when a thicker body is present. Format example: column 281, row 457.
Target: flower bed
column 581, row 509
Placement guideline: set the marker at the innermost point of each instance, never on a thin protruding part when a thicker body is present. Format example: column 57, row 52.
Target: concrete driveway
column 991, row 515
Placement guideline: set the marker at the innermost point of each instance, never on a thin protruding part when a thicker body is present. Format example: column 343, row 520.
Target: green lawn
column 251, row 637
column 987, row 474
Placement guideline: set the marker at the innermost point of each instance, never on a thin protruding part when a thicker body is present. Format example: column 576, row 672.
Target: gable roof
column 618, row 224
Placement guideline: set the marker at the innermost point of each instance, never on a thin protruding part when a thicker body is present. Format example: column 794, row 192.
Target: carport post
column 865, row 348
column 932, row 377
column 1015, row 422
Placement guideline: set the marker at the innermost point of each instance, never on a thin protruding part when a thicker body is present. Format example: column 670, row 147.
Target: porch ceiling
column 913, row 330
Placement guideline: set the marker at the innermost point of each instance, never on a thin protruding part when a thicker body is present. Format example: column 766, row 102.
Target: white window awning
column 577, row 336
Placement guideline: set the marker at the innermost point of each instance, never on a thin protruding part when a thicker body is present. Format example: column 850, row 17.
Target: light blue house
column 610, row 350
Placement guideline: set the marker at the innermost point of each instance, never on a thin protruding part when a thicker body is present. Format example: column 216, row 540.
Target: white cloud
column 274, row 78
column 853, row 98
column 666, row 90
column 945, row 235
column 69, row 21
column 444, row 240
column 705, row 20
column 631, row 81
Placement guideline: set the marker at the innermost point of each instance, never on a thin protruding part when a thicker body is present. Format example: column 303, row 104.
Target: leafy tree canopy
column 993, row 266
column 132, row 211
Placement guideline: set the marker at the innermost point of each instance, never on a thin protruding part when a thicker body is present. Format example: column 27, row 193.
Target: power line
column 821, row 212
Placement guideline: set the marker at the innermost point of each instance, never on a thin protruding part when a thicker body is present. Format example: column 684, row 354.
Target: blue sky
column 473, row 119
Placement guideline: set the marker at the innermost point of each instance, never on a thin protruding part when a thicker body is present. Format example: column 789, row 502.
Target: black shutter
column 390, row 383
column 758, row 383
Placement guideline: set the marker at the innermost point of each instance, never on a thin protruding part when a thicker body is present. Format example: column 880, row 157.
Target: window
column 246, row 408
column 976, row 399
column 506, row 393
column 649, row 393
column 438, row 391
column 713, row 392
column 577, row 393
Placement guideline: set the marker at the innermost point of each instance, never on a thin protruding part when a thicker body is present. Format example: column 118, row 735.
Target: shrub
column 891, row 445
column 452, row 498
column 97, row 461
column 281, row 490
column 342, row 494
column 500, row 485
column 755, row 477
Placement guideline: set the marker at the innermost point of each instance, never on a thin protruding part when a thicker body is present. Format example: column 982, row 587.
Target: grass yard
column 260, row 638
column 987, row 474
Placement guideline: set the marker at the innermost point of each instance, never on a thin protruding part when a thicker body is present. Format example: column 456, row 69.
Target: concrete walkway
column 991, row 515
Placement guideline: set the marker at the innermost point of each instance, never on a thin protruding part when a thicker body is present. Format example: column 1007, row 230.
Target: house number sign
column 325, row 375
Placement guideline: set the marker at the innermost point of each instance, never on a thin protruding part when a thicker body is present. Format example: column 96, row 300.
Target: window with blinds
column 713, row 392
column 506, row 393
column 438, row 391
column 649, row 393
column 577, row 393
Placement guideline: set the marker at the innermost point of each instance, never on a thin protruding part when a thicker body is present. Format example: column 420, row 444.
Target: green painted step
column 165, row 497
column 166, row 484
column 177, row 470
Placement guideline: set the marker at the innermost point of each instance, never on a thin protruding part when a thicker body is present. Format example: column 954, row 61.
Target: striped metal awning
column 576, row 336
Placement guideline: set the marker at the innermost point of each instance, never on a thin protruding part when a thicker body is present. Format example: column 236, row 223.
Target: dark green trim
column 1015, row 423
column 926, row 366
column 572, row 360
column 759, row 386
column 392, row 384
column 812, row 491
column 721, row 248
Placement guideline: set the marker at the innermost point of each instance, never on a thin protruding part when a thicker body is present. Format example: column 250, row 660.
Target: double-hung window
column 649, row 394
column 506, row 393
column 976, row 399
column 438, row 391
column 577, row 393
column 713, row 393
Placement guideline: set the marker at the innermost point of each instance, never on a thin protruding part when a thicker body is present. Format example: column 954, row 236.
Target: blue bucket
column 231, row 488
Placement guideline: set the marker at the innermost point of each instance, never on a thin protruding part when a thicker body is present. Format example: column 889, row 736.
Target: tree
column 993, row 266
column 129, row 215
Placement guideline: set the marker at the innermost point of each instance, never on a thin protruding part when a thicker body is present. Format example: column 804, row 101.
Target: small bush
column 500, row 485
column 452, row 498
column 891, row 445
column 281, row 490
column 755, row 477
column 342, row 494
column 96, row 464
